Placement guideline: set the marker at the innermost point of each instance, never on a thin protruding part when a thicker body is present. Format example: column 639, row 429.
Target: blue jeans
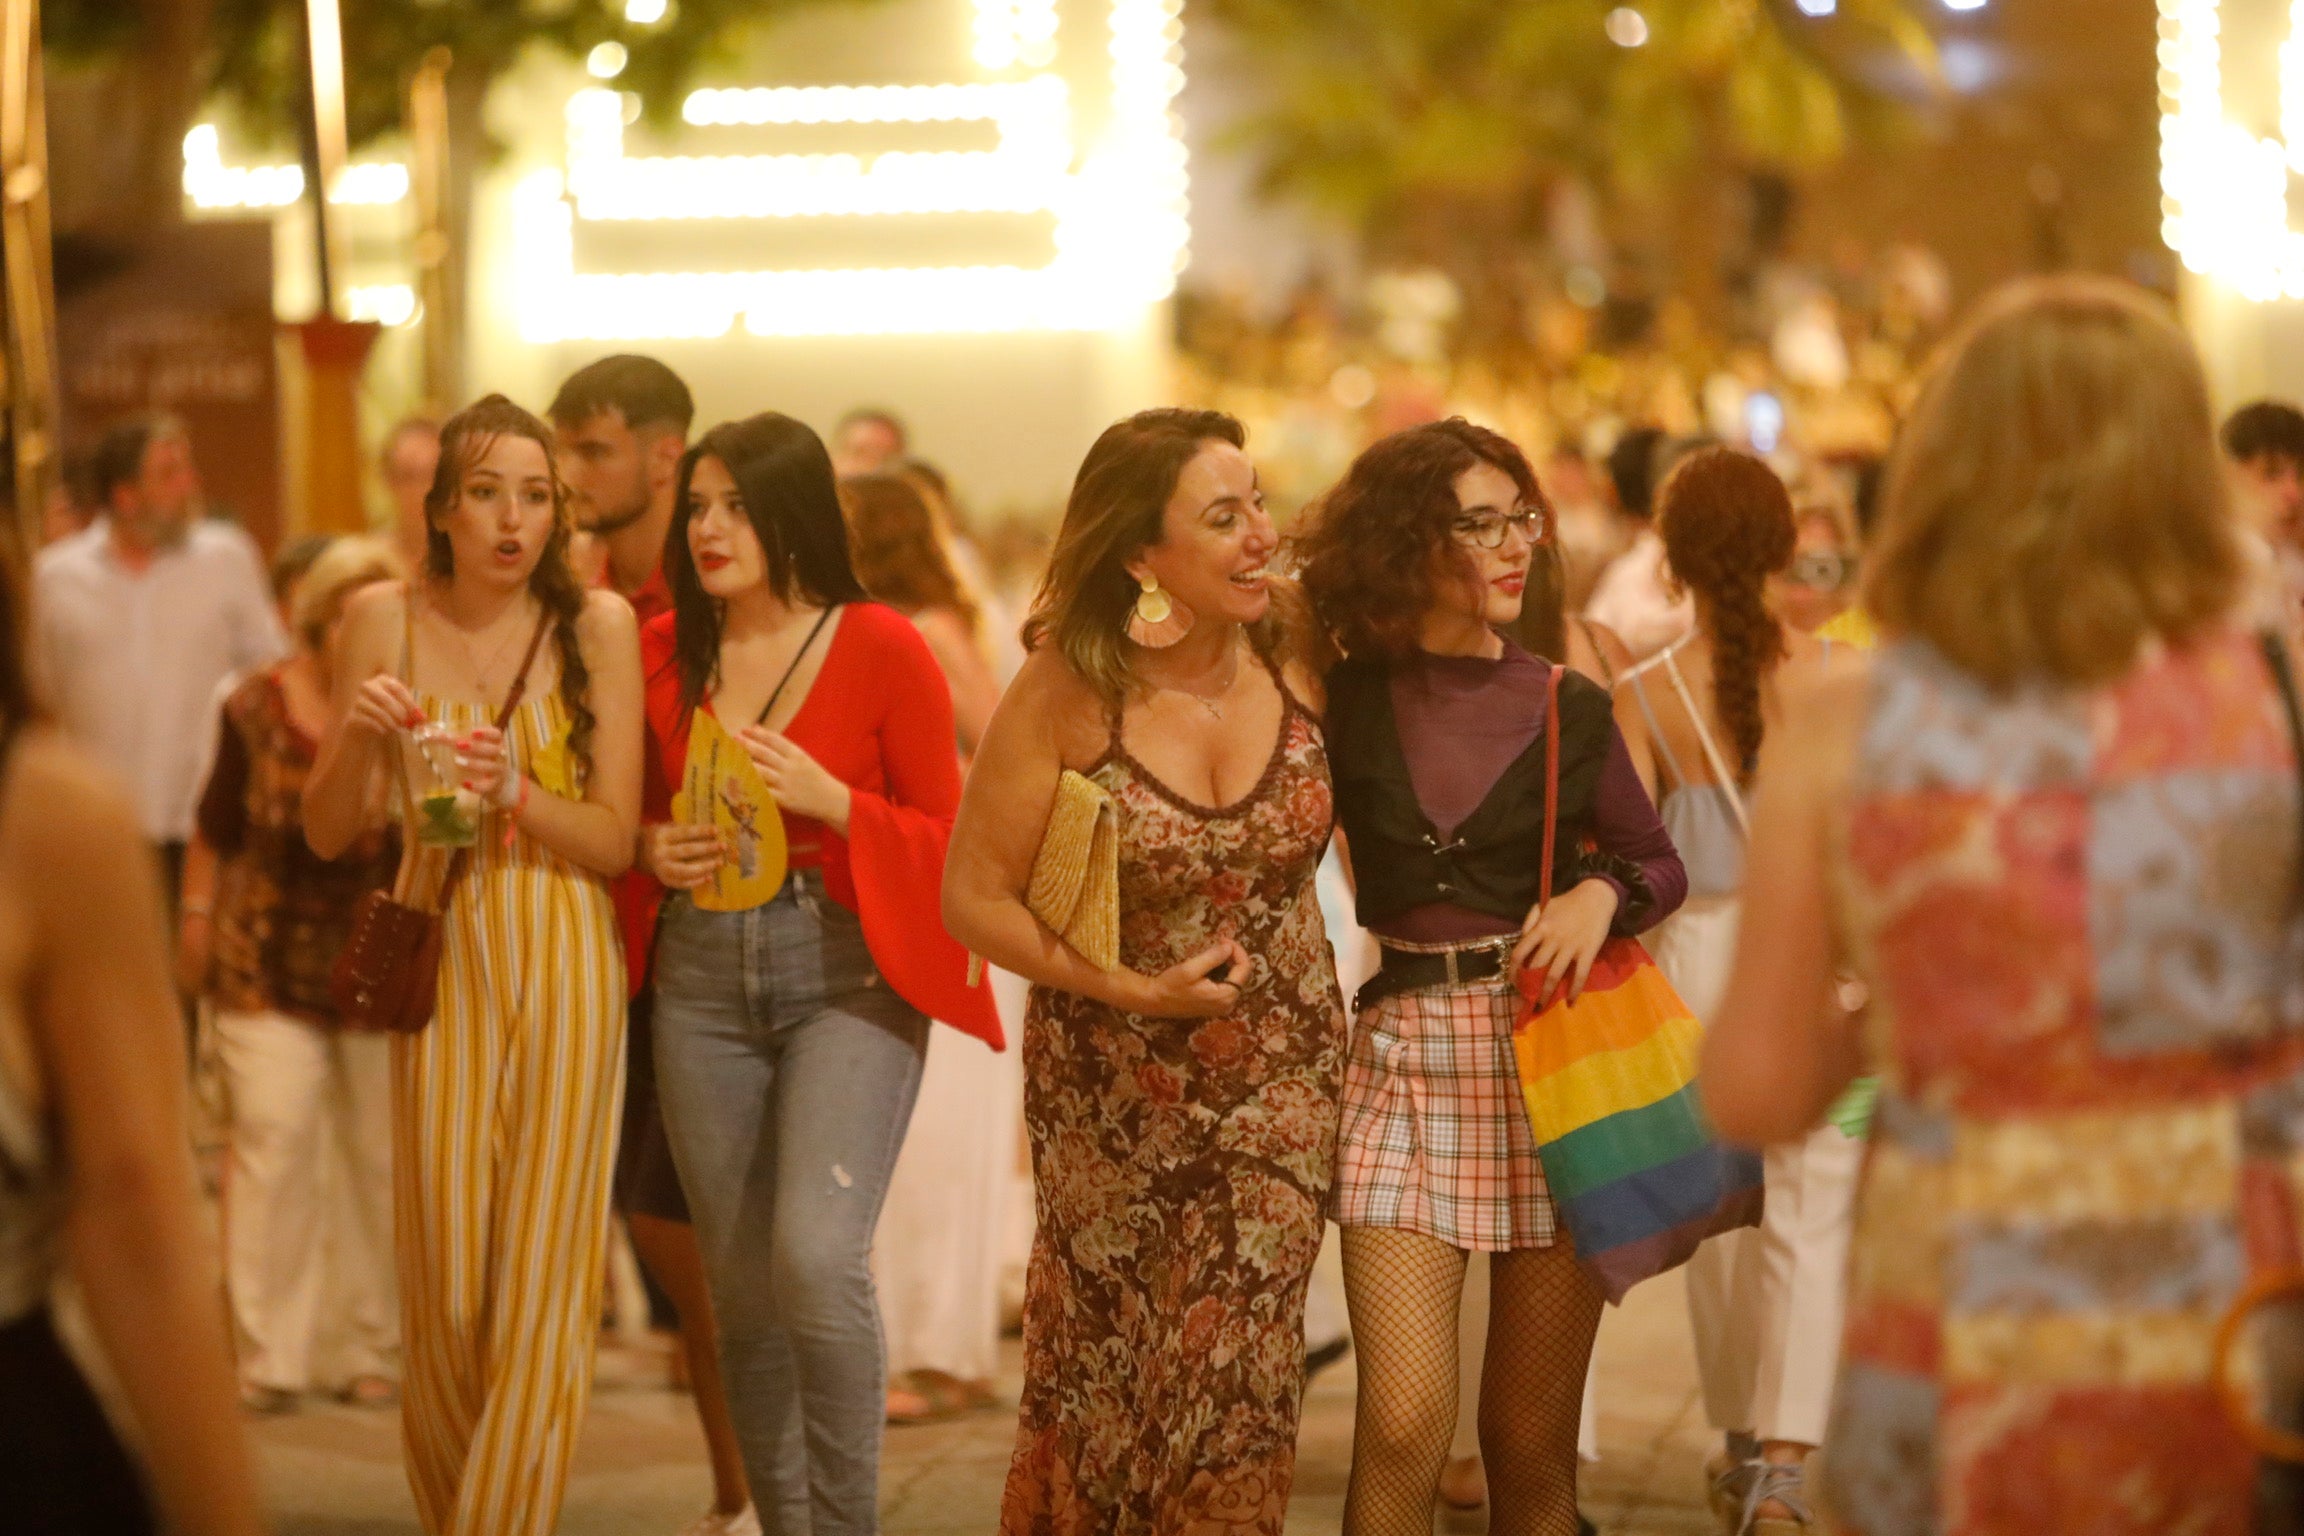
column 788, row 1068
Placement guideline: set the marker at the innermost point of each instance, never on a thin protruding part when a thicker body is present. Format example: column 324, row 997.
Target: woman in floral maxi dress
column 1182, row 1108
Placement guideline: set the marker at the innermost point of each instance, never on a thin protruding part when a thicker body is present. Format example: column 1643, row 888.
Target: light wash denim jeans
column 788, row 1068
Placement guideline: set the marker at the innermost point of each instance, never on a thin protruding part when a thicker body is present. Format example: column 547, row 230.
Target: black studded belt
column 1412, row 970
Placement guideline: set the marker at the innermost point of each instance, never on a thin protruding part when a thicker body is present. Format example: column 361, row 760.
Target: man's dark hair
column 2271, row 428
column 878, row 416
column 118, row 458
column 77, row 473
column 1632, row 470
column 641, row 389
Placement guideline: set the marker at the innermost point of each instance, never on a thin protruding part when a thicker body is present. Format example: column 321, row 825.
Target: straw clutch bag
column 1075, row 885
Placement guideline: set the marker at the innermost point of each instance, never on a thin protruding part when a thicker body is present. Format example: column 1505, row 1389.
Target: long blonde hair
column 2056, row 499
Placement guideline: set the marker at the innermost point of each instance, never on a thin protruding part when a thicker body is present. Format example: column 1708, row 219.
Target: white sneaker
column 745, row 1522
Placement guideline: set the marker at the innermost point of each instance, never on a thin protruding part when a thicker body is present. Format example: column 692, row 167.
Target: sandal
column 1785, row 1485
column 370, row 1391
column 1727, row 1479
column 934, row 1398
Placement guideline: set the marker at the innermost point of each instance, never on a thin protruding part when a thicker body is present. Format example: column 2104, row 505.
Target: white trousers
column 939, row 1250
column 308, row 1202
column 1766, row 1303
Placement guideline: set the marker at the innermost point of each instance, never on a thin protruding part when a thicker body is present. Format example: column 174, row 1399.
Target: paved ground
column 639, row 1472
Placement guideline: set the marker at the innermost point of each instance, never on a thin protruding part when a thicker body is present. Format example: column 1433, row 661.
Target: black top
column 1491, row 862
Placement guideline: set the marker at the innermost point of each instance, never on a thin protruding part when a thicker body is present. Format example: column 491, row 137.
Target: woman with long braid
column 504, row 1108
column 1765, row 1303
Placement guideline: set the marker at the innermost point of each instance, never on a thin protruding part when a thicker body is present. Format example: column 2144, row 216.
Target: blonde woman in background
column 308, row 1198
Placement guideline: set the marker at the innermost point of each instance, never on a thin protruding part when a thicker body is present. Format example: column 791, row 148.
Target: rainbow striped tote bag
column 1609, row 1082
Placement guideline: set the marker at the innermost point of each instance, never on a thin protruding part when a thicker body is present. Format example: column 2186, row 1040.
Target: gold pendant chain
column 1213, row 702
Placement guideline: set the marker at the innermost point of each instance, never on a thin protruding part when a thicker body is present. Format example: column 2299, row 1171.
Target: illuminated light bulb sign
column 2224, row 189
column 211, row 184
column 1118, row 206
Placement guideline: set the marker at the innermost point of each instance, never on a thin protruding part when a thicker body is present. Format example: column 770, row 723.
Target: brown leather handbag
column 387, row 976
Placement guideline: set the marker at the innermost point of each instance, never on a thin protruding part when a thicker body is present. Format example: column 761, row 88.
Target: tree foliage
column 1383, row 111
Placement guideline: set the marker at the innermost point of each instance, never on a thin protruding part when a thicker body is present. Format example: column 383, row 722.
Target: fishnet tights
column 1403, row 1289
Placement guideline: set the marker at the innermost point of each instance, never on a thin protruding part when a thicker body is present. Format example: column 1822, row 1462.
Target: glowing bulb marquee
column 1117, row 205
column 2224, row 190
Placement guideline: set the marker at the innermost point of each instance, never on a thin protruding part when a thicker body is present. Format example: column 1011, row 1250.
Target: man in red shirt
column 622, row 424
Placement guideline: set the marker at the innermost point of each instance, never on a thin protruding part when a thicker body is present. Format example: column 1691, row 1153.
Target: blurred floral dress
column 2078, row 914
column 1182, row 1169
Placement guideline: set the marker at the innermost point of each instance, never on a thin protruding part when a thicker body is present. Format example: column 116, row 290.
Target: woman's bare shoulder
column 376, row 606
column 1056, row 703
column 60, row 804
column 606, row 613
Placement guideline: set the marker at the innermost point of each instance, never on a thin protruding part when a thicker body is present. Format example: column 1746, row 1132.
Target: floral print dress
column 1182, row 1168
column 2078, row 915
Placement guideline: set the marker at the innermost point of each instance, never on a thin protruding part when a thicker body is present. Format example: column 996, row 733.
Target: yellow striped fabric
column 504, row 1116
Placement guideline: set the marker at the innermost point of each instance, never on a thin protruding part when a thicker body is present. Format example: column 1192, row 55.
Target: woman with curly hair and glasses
column 505, row 1105
column 1765, row 1303
column 1437, row 725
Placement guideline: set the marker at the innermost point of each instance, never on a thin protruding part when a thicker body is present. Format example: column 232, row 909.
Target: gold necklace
column 479, row 668
column 1211, row 702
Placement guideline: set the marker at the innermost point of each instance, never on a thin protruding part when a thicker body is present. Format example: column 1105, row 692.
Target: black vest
column 1492, row 864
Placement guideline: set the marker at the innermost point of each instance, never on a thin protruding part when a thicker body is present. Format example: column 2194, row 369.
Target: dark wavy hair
column 1375, row 546
column 1727, row 526
column 465, row 438
column 785, row 477
column 1115, row 513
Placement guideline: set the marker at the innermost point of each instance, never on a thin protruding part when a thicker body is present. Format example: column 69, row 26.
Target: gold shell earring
column 1157, row 620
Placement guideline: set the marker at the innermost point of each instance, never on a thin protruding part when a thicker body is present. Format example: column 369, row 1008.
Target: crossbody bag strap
column 1551, row 780
column 1712, row 753
column 2284, row 676
column 461, row 859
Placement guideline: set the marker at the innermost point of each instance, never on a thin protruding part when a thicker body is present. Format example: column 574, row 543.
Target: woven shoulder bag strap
column 2284, row 677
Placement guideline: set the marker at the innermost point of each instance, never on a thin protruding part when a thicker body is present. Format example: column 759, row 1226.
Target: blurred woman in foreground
column 96, row 1164
column 2054, row 829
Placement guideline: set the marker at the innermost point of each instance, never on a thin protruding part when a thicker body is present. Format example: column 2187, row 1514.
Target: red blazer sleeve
column 897, row 841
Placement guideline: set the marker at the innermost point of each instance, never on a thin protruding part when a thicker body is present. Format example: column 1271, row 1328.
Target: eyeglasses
column 1486, row 531
column 1822, row 571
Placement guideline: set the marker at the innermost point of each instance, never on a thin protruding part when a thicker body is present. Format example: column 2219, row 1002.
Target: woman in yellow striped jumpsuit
column 505, row 1107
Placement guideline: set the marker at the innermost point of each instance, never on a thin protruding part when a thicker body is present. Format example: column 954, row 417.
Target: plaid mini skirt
column 1434, row 1137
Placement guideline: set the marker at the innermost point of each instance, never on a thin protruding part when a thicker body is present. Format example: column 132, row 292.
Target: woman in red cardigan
column 808, row 734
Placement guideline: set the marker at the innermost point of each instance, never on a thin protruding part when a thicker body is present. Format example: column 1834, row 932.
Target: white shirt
column 130, row 660
column 1634, row 598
